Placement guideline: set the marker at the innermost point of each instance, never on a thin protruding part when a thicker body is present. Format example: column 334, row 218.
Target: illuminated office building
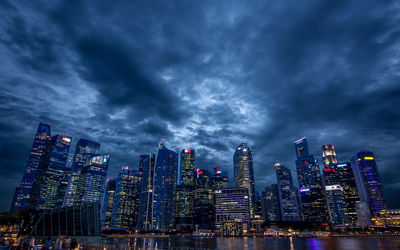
column 52, row 177
column 243, row 172
column 289, row 208
column 22, row 195
column 164, row 196
column 232, row 204
column 146, row 171
column 203, row 200
column 84, row 151
column 91, row 184
column 349, row 185
column 368, row 181
column 125, row 206
column 314, row 208
column 329, row 155
column 185, row 189
column 107, row 204
column 270, row 207
column 334, row 196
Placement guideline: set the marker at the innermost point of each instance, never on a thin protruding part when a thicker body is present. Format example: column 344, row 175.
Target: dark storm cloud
column 206, row 75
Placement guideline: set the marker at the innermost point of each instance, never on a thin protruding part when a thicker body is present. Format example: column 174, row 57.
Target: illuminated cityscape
column 199, row 124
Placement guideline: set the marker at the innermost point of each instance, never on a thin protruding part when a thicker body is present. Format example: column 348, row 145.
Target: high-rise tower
column 145, row 178
column 243, row 172
column 84, row 151
column 368, row 181
column 164, row 188
column 310, row 182
column 50, row 184
column 22, row 196
column 287, row 194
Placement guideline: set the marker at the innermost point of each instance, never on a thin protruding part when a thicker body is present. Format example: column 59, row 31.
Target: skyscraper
column 334, row 196
column 125, row 206
column 243, row 172
column 92, row 180
column 146, row 169
column 22, row 194
column 270, row 207
column 310, row 182
column 329, row 155
column 368, row 181
column 349, row 185
column 107, row 204
column 289, row 208
column 164, row 184
column 84, row 151
column 185, row 189
column 203, row 200
column 51, row 180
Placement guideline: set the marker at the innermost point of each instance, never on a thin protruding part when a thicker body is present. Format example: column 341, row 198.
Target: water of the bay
column 243, row 243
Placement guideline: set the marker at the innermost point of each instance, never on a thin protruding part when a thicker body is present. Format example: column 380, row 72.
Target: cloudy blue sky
column 202, row 74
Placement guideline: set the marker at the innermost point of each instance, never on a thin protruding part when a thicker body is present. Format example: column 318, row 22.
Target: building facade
column 51, row 180
column 22, row 196
column 289, row 207
column 164, row 187
column 84, row 151
column 108, row 203
column 313, row 201
column 270, row 207
column 368, row 181
column 243, row 172
column 350, row 191
column 92, row 180
column 125, row 206
column 232, row 204
column 146, row 171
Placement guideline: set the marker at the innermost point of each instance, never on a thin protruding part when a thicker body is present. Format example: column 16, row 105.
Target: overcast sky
column 202, row 74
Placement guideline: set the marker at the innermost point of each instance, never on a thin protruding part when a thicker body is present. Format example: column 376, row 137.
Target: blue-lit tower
column 22, row 196
column 368, row 181
column 51, row 180
column 164, row 187
column 84, row 151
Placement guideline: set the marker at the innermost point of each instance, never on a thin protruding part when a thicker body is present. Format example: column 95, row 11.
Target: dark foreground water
column 242, row 243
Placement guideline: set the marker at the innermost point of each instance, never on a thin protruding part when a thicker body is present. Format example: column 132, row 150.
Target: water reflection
column 244, row 243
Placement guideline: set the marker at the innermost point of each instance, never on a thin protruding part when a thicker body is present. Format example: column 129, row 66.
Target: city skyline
column 205, row 76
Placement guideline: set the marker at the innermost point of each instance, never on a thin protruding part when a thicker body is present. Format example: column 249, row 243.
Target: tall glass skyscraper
column 270, row 207
column 51, row 180
column 310, row 182
column 164, row 187
column 349, row 185
column 90, row 188
column 185, row 189
column 243, row 172
column 368, row 181
column 146, row 171
column 335, row 196
column 108, row 203
column 84, row 151
column 125, row 204
column 203, row 200
column 289, row 207
column 22, row 196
